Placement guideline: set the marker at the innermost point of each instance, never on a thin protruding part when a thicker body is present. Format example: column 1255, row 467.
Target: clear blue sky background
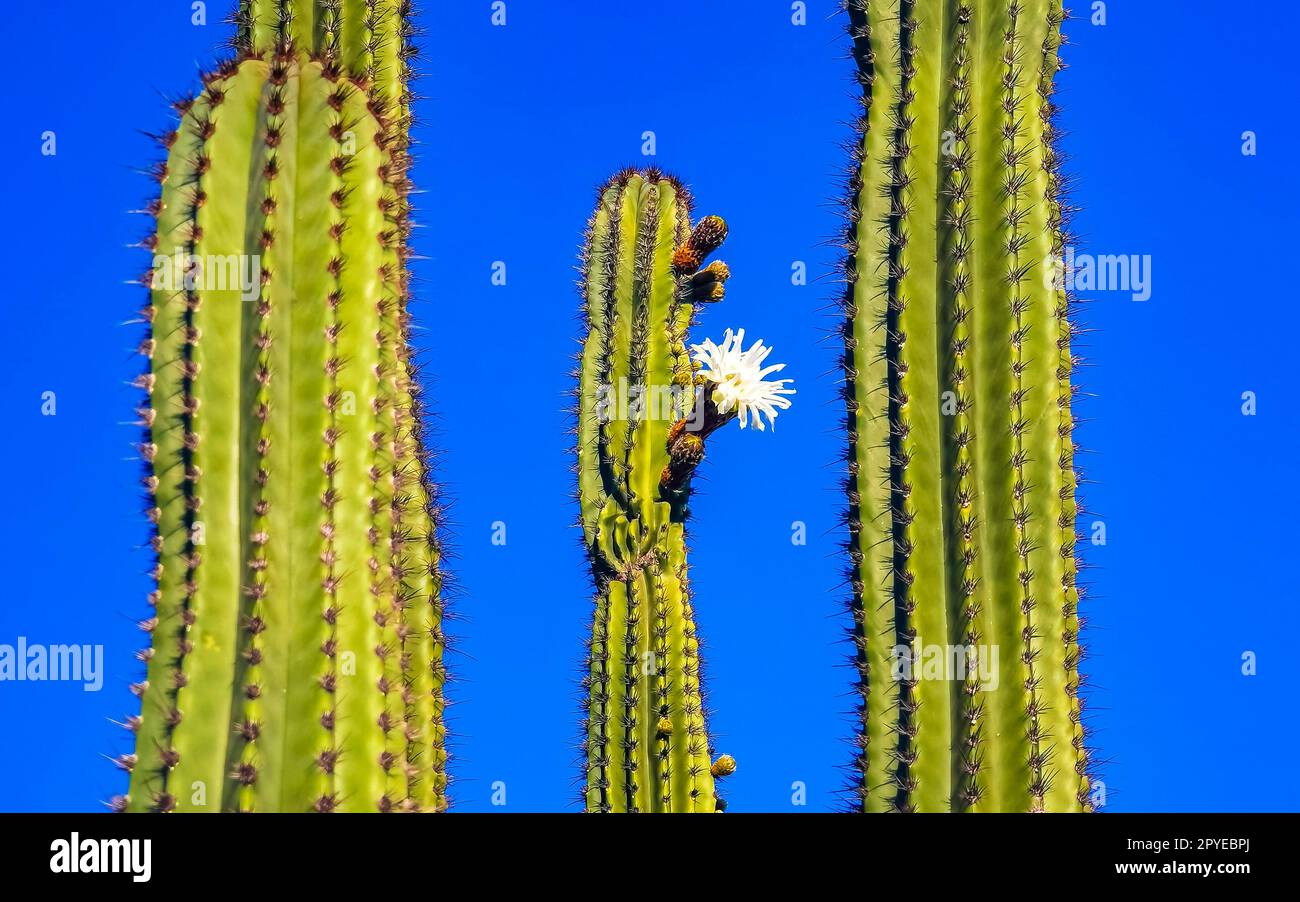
column 518, row 126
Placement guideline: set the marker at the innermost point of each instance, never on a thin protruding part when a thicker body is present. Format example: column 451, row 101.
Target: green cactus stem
column 296, row 658
column 640, row 437
column 961, row 458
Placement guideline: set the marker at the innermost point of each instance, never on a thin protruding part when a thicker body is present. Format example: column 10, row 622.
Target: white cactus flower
column 740, row 381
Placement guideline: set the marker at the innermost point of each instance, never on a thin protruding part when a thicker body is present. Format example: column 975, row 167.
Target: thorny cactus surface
column 645, row 409
column 296, row 659
column 961, row 457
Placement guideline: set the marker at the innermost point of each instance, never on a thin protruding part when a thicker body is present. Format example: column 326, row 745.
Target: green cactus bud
column 725, row 766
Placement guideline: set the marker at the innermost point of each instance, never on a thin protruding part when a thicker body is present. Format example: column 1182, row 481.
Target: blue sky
column 518, row 125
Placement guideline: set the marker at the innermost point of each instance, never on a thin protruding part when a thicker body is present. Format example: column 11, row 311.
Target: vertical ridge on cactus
column 296, row 659
column 957, row 362
column 370, row 40
column 646, row 739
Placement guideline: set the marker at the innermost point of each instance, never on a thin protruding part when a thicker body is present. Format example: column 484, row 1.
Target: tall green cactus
column 641, row 427
column 961, row 474
column 296, row 659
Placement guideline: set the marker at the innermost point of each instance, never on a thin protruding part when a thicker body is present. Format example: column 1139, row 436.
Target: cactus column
column 296, row 661
column 640, row 436
column 961, row 475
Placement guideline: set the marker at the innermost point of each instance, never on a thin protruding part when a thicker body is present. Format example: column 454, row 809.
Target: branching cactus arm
column 645, row 409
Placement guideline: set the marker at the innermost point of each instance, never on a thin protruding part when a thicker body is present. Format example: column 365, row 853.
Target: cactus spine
column 957, row 361
column 296, row 659
column 647, row 744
